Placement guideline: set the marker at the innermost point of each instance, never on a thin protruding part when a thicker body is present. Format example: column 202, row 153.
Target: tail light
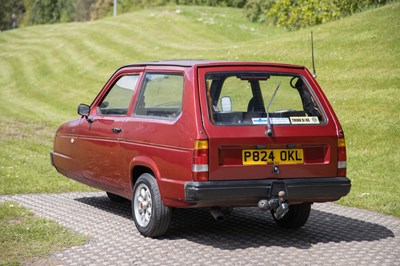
column 200, row 161
column 341, row 155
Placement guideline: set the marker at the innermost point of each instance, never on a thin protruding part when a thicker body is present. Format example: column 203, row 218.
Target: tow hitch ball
column 277, row 205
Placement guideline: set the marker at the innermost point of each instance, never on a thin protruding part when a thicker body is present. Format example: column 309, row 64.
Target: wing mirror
column 83, row 109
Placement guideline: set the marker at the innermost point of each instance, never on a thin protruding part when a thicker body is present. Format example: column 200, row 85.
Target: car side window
column 117, row 100
column 161, row 96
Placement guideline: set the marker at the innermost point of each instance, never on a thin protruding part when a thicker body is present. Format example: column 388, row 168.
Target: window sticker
column 272, row 120
column 304, row 120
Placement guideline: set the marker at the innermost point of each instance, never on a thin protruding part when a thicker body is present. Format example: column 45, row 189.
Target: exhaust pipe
column 217, row 214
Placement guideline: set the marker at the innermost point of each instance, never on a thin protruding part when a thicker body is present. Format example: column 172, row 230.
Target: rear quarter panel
column 165, row 146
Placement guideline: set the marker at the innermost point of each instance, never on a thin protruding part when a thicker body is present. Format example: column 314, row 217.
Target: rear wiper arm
column 269, row 129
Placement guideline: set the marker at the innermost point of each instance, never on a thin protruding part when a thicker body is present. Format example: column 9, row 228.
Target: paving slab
column 333, row 235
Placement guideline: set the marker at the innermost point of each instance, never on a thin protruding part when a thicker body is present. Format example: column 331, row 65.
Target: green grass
column 46, row 71
column 24, row 238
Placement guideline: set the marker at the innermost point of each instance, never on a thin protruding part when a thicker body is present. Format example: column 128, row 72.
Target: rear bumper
column 249, row 192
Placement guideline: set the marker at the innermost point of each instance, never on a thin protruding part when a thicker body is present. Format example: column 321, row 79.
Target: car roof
column 203, row 63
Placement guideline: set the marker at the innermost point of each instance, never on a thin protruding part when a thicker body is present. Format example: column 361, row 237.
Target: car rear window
column 242, row 98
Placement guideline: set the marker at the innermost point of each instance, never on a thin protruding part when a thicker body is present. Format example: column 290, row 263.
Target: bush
column 11, row 13
column 296, row 14
column 302, row 13
column 100, row 8
column 48, row 11
column 255, row 9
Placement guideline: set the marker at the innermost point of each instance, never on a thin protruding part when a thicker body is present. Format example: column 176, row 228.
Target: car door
column 100, row 133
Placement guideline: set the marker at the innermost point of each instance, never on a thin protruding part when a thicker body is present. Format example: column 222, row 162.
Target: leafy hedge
column 292, row 14
column 295, row 14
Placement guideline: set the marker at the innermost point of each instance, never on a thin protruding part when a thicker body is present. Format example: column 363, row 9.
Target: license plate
column 272, row 156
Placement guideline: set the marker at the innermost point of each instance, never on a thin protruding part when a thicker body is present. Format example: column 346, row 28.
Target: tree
column 83, row 9
column 101, row 8
column 11, row 13
column 49, row 11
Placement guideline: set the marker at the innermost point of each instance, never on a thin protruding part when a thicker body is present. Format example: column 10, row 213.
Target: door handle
column 116, row 130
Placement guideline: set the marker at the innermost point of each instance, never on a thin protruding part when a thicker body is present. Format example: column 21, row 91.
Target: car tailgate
column 247, row 153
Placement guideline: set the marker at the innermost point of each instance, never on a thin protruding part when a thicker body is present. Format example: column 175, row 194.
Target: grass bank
column 25, row 238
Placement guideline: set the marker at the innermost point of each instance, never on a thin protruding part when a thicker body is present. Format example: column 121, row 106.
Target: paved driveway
column 334, row 235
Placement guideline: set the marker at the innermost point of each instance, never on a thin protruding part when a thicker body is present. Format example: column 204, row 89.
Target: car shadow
column 251, row 228
column 122, row 209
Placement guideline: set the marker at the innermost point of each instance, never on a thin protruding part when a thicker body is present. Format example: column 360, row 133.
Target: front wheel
column 151, row 217
column 296, row 217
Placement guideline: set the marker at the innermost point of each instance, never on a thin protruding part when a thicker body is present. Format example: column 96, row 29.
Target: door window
column 161, row 96
column 118, row 98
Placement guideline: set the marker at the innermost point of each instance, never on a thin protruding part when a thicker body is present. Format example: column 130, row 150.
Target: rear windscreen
column 244, row 98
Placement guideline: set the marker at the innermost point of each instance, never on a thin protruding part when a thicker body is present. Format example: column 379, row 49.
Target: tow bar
column 277, row 200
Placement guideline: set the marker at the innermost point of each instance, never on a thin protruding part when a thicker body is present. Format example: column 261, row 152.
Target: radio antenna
column 312, row 55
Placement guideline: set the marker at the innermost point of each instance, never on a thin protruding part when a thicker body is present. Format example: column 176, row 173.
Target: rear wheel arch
column 140, row 165
column 137, row 171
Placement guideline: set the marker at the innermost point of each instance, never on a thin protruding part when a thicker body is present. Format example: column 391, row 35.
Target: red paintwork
column 93, row 154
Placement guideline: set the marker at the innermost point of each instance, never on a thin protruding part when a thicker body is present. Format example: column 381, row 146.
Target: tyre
column 151, row 217
column 115, row 198
column 296, row 217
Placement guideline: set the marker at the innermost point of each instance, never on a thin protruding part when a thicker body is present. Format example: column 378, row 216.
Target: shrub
column 255, row 9
column 48, row 11
column 295, row 14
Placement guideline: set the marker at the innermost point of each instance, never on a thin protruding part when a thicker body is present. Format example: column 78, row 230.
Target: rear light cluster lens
column 342, row 160
column 200, row 161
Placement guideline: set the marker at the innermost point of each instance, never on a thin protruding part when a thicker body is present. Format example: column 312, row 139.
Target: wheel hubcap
column 142, row 205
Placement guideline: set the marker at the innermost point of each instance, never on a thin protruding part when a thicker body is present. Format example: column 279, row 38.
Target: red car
column 208, row 134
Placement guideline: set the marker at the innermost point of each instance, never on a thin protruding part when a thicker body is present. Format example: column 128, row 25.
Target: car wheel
column 296, row 217
column 151, row 217
column 115, row 198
